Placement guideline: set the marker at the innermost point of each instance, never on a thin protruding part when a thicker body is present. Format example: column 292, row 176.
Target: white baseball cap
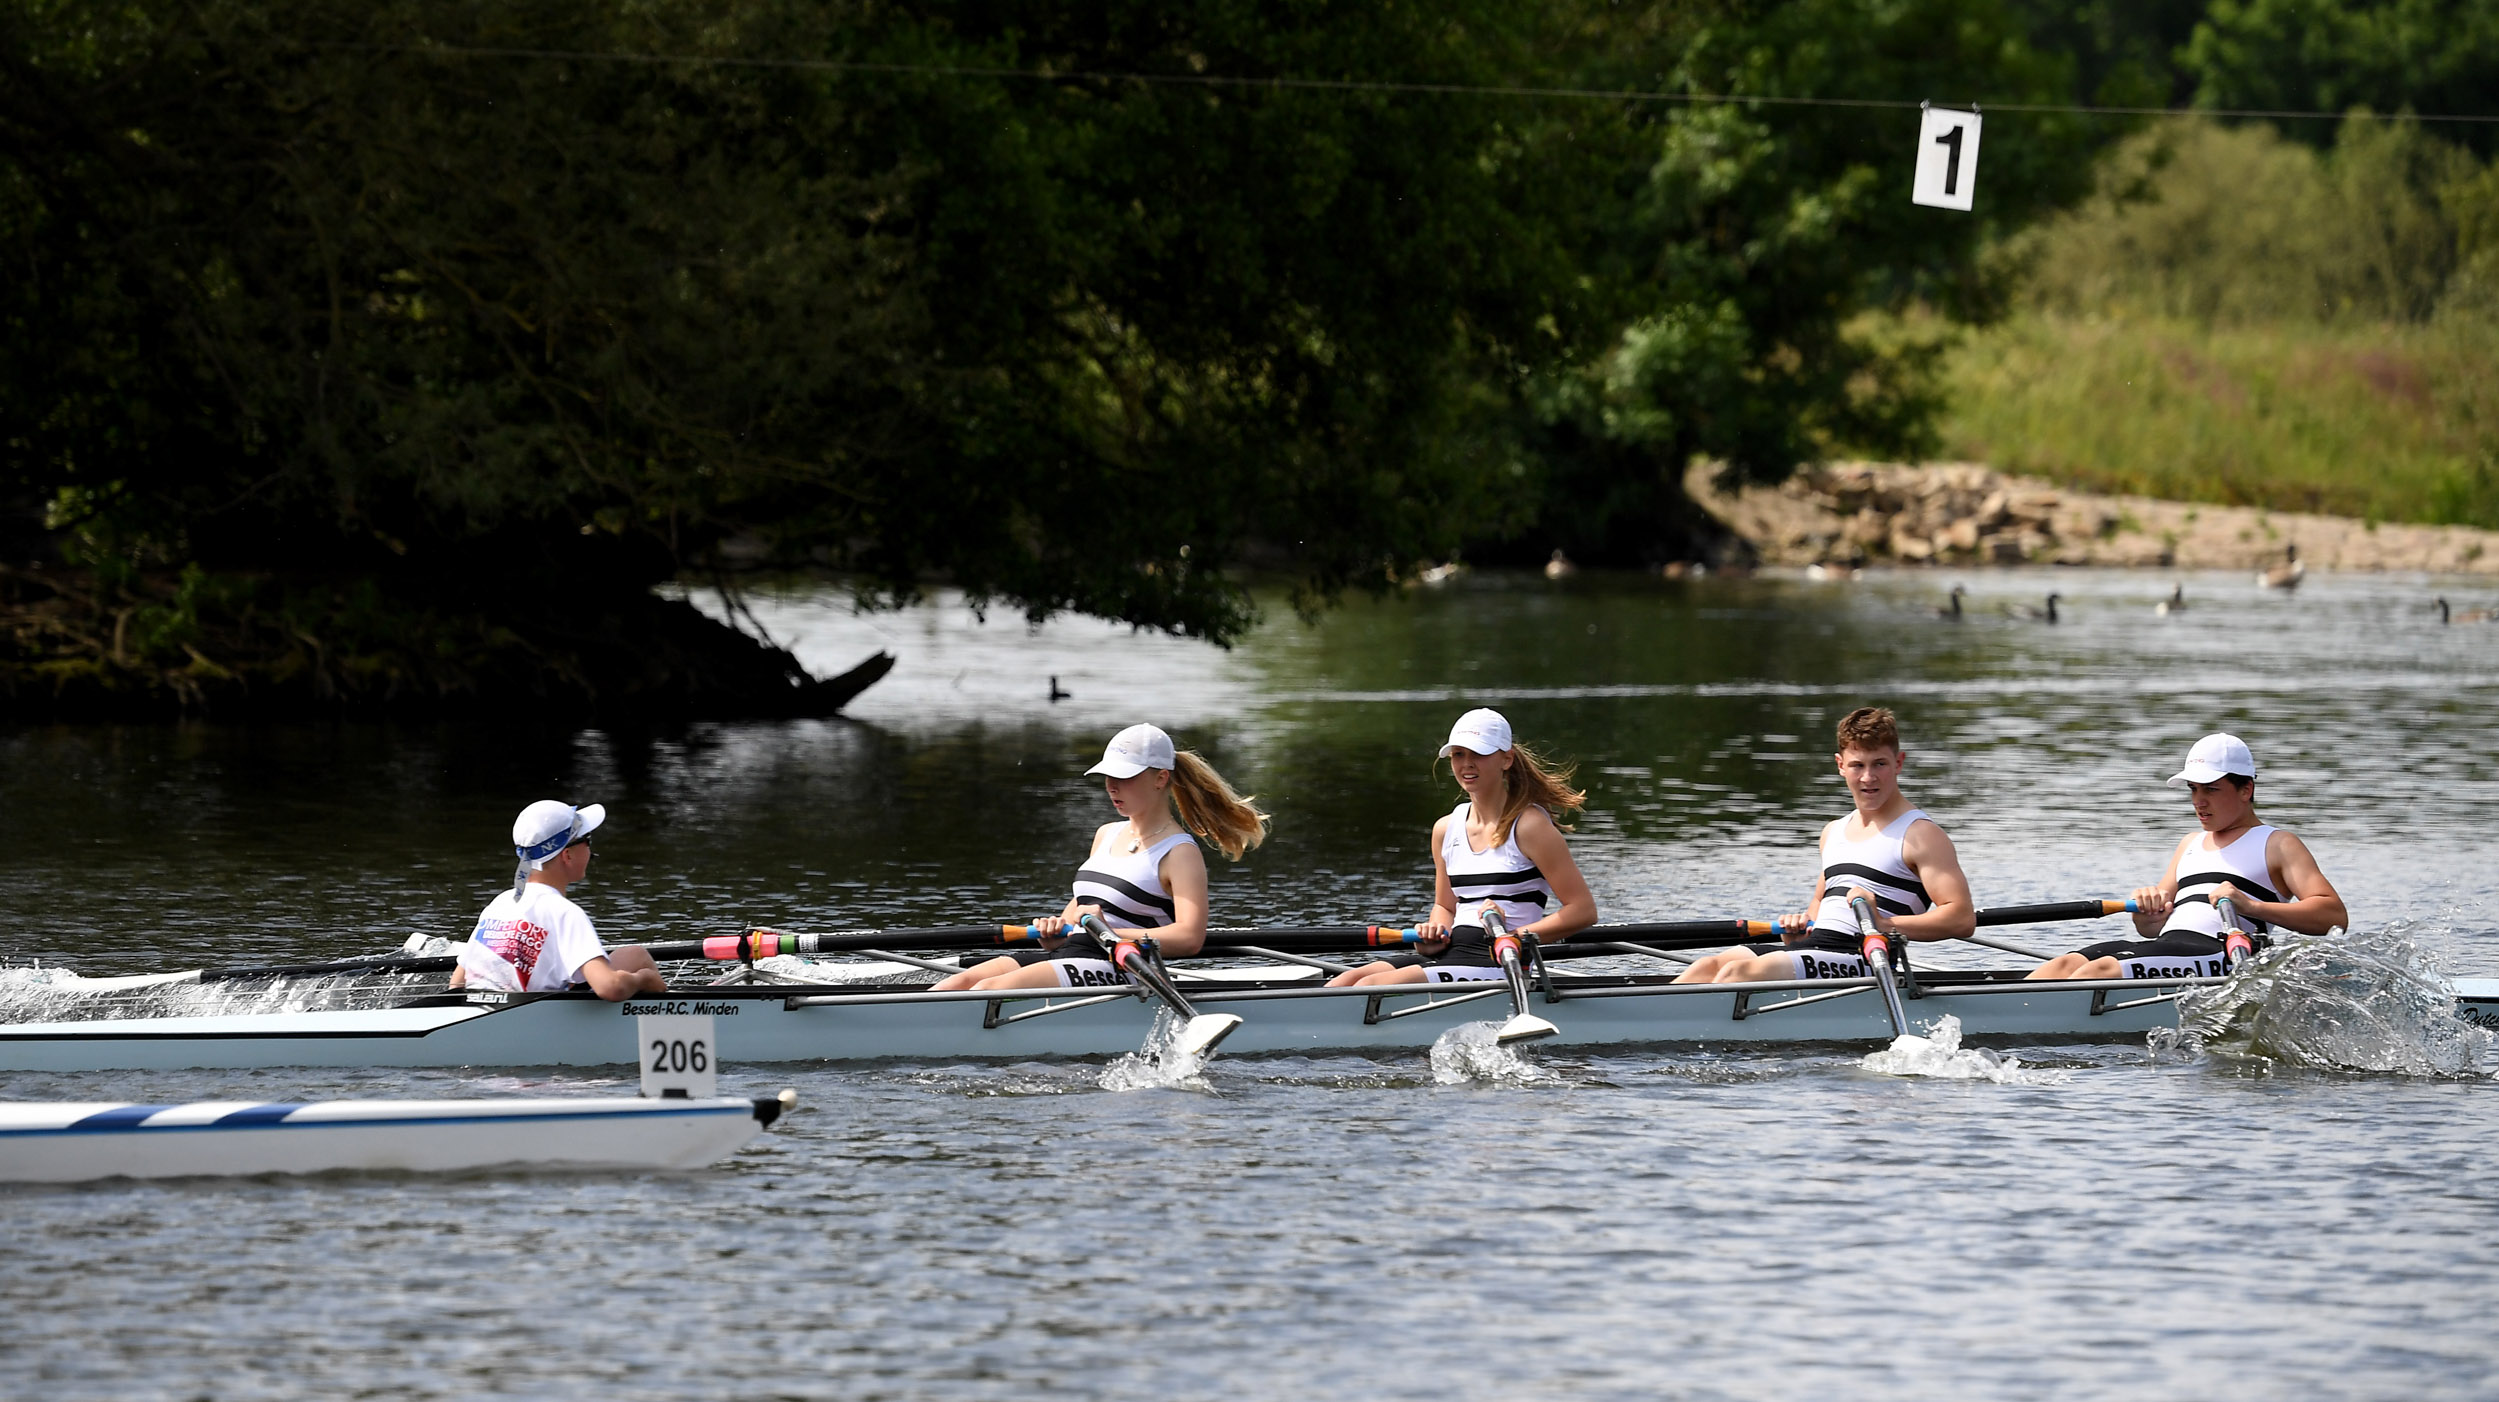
column 548, row 827
column 1482, row 730
column 2214, row 756
column 1134, row 751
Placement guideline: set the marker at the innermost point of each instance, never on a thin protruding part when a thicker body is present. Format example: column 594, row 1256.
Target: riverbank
column 1970, row 514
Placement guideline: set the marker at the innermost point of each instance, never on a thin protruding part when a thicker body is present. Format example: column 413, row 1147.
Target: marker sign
column 677, row 1057
column 1947, row 158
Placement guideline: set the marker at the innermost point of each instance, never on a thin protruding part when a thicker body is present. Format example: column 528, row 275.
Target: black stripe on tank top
column 1133, row 892
column 1494, row 878
column 2215, row 878
column 1897, row 882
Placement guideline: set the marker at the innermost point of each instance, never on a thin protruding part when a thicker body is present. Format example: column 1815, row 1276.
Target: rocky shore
column 1967, row 513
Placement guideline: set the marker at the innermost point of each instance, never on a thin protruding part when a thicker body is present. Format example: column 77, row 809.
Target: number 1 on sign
column 1947, row 159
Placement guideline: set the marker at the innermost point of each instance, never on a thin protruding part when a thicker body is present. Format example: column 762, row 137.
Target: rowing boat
column 1291, row 1013
column 74, row 1143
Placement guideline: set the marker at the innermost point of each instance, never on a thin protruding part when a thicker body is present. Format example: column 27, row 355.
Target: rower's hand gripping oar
column 1877, row 949
column 1507, row 951
column 1200, row 1033
column 2236, row 947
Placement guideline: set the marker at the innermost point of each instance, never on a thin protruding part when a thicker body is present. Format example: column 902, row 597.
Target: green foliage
column 1749, row 240
column 2235, row 224
column 2430, row 56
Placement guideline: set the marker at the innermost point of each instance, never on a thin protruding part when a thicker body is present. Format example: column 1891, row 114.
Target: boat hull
column 835, row 1023
column 72, row 1143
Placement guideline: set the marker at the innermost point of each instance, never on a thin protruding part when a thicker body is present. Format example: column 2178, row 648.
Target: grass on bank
column 2384, row 422
column 2238, row 318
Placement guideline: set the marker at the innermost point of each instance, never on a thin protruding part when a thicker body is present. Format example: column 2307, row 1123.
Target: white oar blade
column 1205, row 1032
column 1526, row 1027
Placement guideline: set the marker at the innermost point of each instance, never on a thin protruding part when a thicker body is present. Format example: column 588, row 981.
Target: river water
column 1748, row 1223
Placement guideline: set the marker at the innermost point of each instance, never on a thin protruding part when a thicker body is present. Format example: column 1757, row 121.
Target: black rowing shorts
column 2176, row 954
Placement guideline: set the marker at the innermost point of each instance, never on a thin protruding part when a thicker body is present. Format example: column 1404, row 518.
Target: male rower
column 2232, row 853
column 532, row 938
column 1886, row 851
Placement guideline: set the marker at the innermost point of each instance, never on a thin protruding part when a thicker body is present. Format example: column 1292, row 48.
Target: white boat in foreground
column 837, row 1022
column 75, row 1143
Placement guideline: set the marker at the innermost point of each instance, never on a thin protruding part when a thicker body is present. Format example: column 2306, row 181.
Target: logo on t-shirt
column 518, row 942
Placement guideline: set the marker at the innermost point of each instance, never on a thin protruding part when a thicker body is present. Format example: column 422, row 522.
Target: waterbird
column 2468, row 616
column 2175, row 603
column 1954, row 612
column 2286, row 575
column 1058, row 693
column 2025, row 611
column 1560, row 566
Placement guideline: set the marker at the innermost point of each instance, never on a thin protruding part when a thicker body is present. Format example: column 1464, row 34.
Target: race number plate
column 1947, row 175
column 677, row 1057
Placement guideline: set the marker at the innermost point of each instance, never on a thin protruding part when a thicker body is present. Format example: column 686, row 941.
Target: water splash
column 1472, row 1051
column 2373, row 1001
column 60, row 995
column 1159, row 1064
column 1940, row 1055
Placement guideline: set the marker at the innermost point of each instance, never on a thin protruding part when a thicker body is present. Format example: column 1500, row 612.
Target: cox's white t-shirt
column 533, row 942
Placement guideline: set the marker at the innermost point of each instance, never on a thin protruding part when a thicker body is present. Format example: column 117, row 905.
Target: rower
column 2231, row 854
column 532, row 938
column 1886, row 851
column 1144, row 873
column 1499, row 847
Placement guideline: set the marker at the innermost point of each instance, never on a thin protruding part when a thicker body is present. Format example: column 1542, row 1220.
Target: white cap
column 1134, row 751
column 2214, row 756
column 1482, row 730
column 548, row 827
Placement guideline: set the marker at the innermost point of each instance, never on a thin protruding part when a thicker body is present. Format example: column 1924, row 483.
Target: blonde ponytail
column 1210, row 808
column 1533, row 779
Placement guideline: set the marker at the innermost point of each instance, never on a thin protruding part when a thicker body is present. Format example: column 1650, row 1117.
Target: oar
column 1200, row 1033
column 1523, row 1025
column 2236, row 947
column 1878, row 953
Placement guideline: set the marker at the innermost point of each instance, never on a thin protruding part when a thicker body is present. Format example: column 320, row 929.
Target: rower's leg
column 1377, row 971
column 989, row 968
column 2062, row 966
column 2101, row 968
column 1015, row 976
column 1705, row 969
column 1756, row 968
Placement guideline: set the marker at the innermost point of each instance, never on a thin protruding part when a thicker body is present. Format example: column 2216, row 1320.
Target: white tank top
column 1502, row 876
column 2200, row 869
column 1874, row 862
column 1129, row 885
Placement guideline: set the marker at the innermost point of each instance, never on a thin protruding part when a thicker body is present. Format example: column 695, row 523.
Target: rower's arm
column 2315, row 906
column 1444, row 897
column 1183, row 870
column 1543, row 844
column 615, row 984
column 2153, row 903
column 1950, row 913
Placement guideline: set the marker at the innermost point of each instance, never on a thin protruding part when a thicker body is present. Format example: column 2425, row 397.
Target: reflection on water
column 1712, row 1223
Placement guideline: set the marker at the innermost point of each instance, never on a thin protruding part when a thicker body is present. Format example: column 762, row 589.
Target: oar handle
column 2053, row 910
column 1878, row 953
column 2236, row 947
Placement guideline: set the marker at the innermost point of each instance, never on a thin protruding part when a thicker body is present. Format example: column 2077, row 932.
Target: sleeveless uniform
column 2190, row 942
column 1128, row 886
column 1502, row 878
column 1831, row 949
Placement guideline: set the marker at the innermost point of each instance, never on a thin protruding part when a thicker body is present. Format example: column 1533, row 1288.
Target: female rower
column 1144, row 873
column 1500, row 847
column 2270, row 877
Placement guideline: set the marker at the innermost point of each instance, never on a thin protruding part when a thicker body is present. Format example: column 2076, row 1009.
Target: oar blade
column 1525, row 1027
column 1200, row 1035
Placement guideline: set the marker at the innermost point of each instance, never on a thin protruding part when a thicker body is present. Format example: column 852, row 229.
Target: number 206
column 679, row 1056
